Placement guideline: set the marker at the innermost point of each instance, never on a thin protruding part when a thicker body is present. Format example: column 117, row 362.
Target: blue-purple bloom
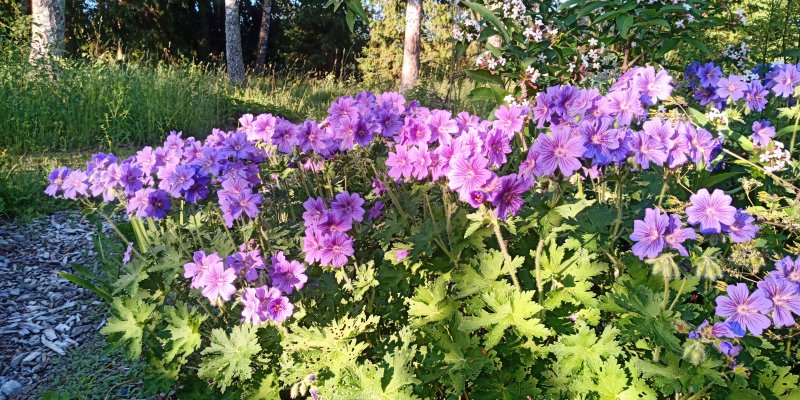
column 649, row 234
column 711, row 211
column 286, row 275
column 507, row 199
column 763, row 132
column 742, row 230
column 784, row 297
column 748, row 310
column 560, row 151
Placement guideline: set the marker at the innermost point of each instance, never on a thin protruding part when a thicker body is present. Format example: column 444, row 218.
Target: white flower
column 508, row 99
column 593, row 42
column 680, row 24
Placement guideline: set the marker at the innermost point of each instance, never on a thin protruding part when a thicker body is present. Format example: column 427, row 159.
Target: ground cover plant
column 632, row 240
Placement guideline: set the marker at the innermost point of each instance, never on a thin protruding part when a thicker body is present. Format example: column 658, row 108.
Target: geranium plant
column 593, row 245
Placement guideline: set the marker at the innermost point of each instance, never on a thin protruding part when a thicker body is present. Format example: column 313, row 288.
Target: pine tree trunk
column 411, row 46
column 233, row 42
column 263, row 35
column 47, row 29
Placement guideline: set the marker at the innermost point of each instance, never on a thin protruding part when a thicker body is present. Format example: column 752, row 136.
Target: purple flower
column 157, row 204
column 467, row 175
column 599, row 139
column 75, row 184
column 561, row 150
column 624, row 104
column 378, row 187
column 647, row 149
column 762, row 132
column 202, row 263
column 399, row 163
column 789, row 269
column 785, row 81
column 649, row 234
column 56, row 179
column 335, row 223
column 234, row 205
column 279, row 309
column 179, row 180
column 507, row 198
column 727, row 330
column 441, row 124
column 742, row 230
column 711, row 211
column 527, row 169
column 316, row 212
column 674, row 236
column 701, row 144
column 217, row 282
column 732, row 87
column 375, row 211
column 126, row 257
column 246, row 263
column 348, row 206
column 756, row 96
column 420, row 161
column 784, row 297
column 401, row 254
column 415, row 133
column 744, row 308
column 312, row 245
column 255, row 301
column 497, row 146
column 729, row 349
column 287, row 275
column 476, row 198
column 709, row 75
column 652, row 86
column 509, row 119
column 336, row 247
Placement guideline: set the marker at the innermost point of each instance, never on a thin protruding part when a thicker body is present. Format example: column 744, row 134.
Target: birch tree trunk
column 411, row 45
column 47, row 29
column 263, row 35
column 233, row 42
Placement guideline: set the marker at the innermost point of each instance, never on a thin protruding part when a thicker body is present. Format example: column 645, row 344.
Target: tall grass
column 106, row 106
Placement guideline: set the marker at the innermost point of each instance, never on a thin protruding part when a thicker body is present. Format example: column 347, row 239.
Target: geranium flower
column 217, row 282
column 742, row 230
column 653, row 86
column 732, row 87
column 287, row 275
column 762, row 132
column 649, row 234
column 748, row 310
column 507, row 199
column 348, row 206
column 336, row 247
column 784, row 297
column 467, row 175
column 202, row 263
column 789, row 269
column 315, row 212
column 711, row 211
column 560, row 151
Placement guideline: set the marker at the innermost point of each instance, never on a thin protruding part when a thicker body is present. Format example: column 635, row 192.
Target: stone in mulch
column 42, row 315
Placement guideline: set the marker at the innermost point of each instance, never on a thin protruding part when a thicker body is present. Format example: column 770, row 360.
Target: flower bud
column 694, row 352
column 665, row 266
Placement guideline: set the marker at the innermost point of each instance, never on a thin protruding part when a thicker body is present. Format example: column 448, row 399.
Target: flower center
column 745, row 309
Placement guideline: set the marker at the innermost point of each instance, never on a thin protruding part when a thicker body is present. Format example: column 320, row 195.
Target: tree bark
column 233, row 42
column 411, row 45
column 47, row 29
column 263, row 35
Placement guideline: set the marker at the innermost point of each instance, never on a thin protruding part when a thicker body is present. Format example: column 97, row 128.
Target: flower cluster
column 216, row 279
column 712, row 211
column 774, row 303
column 326, row 240
column 711, row 87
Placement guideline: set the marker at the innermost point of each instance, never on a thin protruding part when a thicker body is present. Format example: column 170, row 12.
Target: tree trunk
column 411, row 46
column 263, row 35
column 47, row 29
column 233, row 42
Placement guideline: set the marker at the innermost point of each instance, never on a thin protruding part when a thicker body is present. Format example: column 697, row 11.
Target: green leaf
column 228, row 357
column 484, row 76
column 698, row 45
column 126, row 327
column 778, row 380
column 585, row 349
column 483, row 274
column 184, row 330
column 129, row 281
column 489, row 16
column 572, row 210
column 431, row 303
column 515, row 310
column 87, row 285
column 481, row 93
column 624, row 23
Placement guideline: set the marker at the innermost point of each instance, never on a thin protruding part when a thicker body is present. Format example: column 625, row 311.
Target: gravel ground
column 42, row 315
